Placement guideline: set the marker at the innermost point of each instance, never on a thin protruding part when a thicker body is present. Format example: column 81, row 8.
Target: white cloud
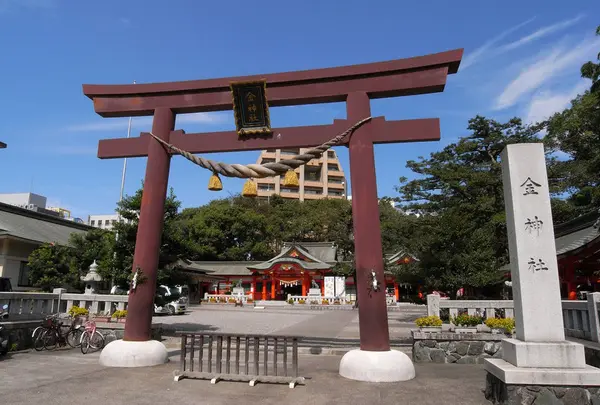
column 545, row 68
column 544, row 104
column 542, row 32
column 120, row 124
column 473, row 57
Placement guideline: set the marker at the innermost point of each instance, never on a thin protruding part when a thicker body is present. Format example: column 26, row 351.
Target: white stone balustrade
column 482, row 307
column 33, row 306
column 224, row 298
column 581, row 318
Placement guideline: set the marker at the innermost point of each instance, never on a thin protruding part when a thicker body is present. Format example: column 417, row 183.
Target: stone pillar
column 539, row 355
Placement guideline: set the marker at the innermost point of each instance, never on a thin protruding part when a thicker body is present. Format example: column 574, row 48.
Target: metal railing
column 218, row 356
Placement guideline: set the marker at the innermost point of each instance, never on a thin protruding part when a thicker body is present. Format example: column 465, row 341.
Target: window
column 289, row 190
column 107, row 222
column 336, row 193
column 290, row 151
column 331, row 154
column 308, row 190
column 336, row 180
column 114, row 221
column 24, row 275
column 332, row 166
column 268, row 160
column 265, row 187
column 93, row 222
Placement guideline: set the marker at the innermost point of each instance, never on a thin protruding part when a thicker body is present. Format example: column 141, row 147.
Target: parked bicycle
column 53, row 333
column 91, row 338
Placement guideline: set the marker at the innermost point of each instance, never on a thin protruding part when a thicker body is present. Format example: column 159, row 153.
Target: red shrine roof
column 307, row 255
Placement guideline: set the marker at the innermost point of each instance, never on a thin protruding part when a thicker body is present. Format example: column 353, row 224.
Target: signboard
column 250, row 107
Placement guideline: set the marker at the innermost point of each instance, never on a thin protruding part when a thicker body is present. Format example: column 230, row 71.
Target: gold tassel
column 214, row 184
column 291, row 179
column 249, row 189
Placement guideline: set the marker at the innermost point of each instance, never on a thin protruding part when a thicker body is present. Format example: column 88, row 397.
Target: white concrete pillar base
column 121, row 353
column 387, row 366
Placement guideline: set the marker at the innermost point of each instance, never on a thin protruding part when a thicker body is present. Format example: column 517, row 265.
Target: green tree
column 173, row 245
column 49, row 267
column 591, row 70
column 462, row 237
column 576, row 133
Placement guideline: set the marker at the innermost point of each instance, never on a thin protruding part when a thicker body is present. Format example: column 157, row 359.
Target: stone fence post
column 592, row 307
column 59, row 292
column 433, row 305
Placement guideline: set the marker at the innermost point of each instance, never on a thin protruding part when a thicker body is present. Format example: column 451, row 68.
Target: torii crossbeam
column 2, row 145
column 355, row 85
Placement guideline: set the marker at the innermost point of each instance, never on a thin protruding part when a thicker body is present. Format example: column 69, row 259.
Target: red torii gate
column 355, row 85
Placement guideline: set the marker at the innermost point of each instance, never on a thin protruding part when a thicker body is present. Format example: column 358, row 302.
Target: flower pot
column 430, row 329
column 465, row 329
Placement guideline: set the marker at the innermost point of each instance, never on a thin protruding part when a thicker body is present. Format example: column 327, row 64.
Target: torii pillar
column 355, row 85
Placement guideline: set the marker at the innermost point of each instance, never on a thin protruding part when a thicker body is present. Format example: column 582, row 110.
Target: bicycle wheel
column 97, row 341
column 85, row 342
column 38, row 341
column 50, row 339
column 74, row 337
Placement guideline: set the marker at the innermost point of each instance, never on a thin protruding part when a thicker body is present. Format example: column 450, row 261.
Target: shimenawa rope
column 265, row 169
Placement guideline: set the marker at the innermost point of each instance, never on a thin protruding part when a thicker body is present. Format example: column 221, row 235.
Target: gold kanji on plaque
column 250, row 107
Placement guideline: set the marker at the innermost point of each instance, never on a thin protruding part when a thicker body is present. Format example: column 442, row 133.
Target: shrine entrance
column 250, row 97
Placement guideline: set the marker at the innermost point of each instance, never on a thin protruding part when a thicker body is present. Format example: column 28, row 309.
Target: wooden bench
column 235, row 357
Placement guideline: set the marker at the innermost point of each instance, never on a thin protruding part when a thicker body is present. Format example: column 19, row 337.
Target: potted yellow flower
column 429, row 323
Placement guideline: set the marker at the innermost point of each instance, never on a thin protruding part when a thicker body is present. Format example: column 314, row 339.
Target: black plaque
column 250, row 107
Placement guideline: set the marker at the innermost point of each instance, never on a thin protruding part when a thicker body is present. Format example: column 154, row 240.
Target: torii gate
column 355, row 85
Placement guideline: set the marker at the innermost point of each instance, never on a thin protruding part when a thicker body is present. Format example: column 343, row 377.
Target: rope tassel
column 291, row 179
column 214, row 184
column 249, row 189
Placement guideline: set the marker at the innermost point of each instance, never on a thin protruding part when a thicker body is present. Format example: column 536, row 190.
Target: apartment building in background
column 319, row 178
column 106, row 221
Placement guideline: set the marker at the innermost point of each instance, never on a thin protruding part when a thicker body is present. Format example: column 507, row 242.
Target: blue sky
column 521, row 59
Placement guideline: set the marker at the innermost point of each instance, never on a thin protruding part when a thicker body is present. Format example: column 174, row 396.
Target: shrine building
column 578, row 255
column 298, row 267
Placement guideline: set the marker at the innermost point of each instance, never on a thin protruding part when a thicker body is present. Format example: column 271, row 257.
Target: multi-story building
column 319, row 178
column 106, row 221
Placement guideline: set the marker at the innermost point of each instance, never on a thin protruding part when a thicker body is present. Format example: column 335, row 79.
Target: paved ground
column 68, row 377
column 336, row 327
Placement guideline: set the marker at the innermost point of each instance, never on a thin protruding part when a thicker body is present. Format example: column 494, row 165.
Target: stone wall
column 19, row 333
column 448, row 347
column 500, row 393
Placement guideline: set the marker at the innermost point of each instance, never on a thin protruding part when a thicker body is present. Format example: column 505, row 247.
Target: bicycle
column 91, row 338
column 51, row 334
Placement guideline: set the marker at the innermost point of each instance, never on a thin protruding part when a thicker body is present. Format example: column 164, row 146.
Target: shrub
column 336, row 302
column 250, row 300
column 325, row 302
column 290, row 301
column 508, row 324
column 428, row 321
column 120, row 313
column 212, row 299
column 301, row 301
column 232, row 300
column 77, row 311
column 467, row 320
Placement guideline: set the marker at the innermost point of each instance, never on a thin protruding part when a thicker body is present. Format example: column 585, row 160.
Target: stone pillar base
column 388, row 366
column 499, row 392
column 122, row 353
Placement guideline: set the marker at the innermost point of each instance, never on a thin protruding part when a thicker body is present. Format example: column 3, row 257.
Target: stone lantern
column 92, row 279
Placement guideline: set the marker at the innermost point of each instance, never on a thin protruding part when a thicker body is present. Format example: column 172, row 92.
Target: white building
column 23, row 200
column 106, row 221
